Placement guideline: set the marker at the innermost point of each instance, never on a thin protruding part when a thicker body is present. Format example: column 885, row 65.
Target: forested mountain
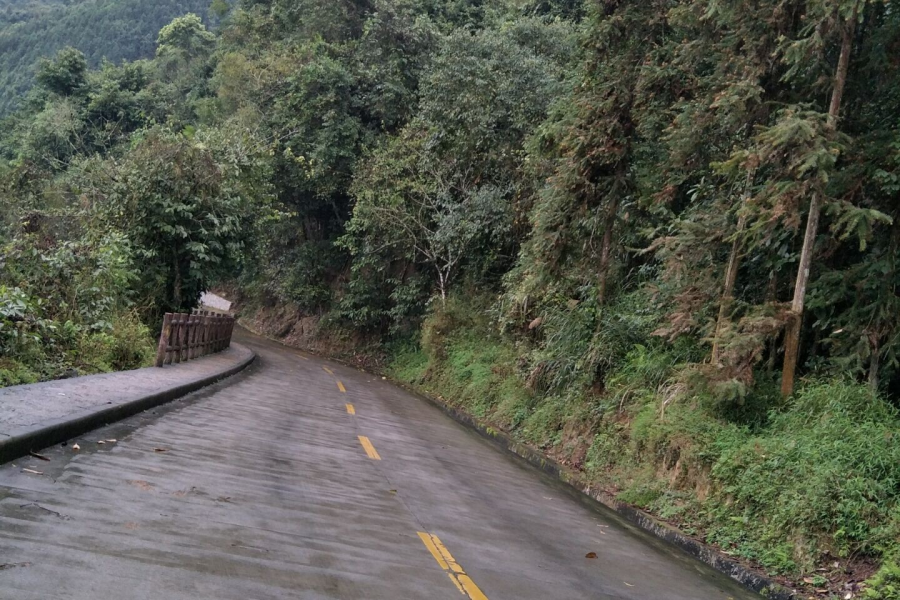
column 112, row 29
column 656, row 239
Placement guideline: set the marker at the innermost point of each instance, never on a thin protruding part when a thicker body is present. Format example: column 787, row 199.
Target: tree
column 846, row 16
column 411, row 201
column 182, row 211
column 65, row 74
column 184, row 39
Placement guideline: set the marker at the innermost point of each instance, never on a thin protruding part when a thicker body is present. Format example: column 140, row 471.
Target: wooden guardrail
column 185, row 336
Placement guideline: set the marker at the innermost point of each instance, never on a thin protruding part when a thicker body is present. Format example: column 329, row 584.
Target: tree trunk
column 609, row 224
column 874, row 363
column 606, row 249
column 728, row 292
column 176, row 287
column 734, row 262
column 792, row 335
column 442, row 286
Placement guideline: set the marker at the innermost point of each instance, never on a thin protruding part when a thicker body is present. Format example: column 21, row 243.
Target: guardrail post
column 176, row 339
column 164, row 336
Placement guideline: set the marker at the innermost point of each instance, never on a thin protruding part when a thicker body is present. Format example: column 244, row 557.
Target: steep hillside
column 113, row 29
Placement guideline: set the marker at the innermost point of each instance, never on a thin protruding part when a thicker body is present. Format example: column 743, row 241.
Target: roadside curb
column 645, row 521
column 34, row 437
column 706, row 554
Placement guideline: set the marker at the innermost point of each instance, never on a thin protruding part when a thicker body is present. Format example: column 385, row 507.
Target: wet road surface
column 305, row 479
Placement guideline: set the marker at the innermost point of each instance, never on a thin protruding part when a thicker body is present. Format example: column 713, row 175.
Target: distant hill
column 112, row 29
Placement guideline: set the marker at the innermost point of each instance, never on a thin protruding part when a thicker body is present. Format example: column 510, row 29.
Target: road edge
column 33, row 438
column 706, row 554
column 693, row 547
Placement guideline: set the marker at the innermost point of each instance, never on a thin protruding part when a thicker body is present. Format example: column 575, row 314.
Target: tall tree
column 846, row 22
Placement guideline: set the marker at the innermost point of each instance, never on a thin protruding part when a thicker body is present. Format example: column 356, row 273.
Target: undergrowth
column 789, row 485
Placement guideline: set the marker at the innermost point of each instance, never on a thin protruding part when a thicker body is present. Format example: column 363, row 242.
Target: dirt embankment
column 313, row 333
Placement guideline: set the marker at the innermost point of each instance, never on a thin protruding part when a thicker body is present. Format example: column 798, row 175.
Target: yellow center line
column 369, row 448
column 426, row 539
column 341, row 386
column 446, row 561
column 327, row 370
column 454, row 566
column 456, row 583
column 351, row 410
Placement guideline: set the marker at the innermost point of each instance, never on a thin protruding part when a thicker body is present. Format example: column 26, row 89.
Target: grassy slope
column 808, row 491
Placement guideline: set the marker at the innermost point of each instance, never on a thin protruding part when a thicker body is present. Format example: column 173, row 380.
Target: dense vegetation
column 113, row 30
column 655, row 238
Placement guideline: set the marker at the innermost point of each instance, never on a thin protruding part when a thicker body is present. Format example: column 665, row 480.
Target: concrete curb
column 34, row 437
column 695, row 548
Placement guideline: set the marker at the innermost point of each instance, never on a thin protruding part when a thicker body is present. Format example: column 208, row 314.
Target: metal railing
column 185, row 336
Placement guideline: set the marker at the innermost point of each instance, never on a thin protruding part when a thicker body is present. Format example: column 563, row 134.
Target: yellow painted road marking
column 350, row 409
column 446, row 561
column 327, row 370
column 456, row 583
column 454, row 566
column 426, row 539
column 341, row 386
column 369, row 448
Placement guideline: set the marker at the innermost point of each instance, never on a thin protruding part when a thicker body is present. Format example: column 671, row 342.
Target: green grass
column 791, row 486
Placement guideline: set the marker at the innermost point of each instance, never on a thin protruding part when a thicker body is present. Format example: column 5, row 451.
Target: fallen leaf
column 76, row 447
column 160, row 450
column 591, row 555
column 38, row 456
column 32, row 471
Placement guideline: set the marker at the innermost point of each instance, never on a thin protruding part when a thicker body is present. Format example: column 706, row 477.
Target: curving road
column 303, row 479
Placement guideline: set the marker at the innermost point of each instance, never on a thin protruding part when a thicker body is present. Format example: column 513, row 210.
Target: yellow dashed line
column 327, row 370
column 369, row 448
column 341, row 386
column 444, row 559
column 351, row 410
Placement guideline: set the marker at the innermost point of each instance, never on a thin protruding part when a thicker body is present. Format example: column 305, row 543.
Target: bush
column 127, row 345
column 823, row 475
column 885, row 585
column 461, row 360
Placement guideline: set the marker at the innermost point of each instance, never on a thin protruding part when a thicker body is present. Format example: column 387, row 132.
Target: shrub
column 885, row 585
column 824, row 475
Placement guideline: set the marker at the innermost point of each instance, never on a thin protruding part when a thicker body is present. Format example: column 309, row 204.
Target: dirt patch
column 294, row 328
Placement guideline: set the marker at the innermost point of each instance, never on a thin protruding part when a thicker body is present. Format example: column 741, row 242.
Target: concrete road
column 308, row 480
